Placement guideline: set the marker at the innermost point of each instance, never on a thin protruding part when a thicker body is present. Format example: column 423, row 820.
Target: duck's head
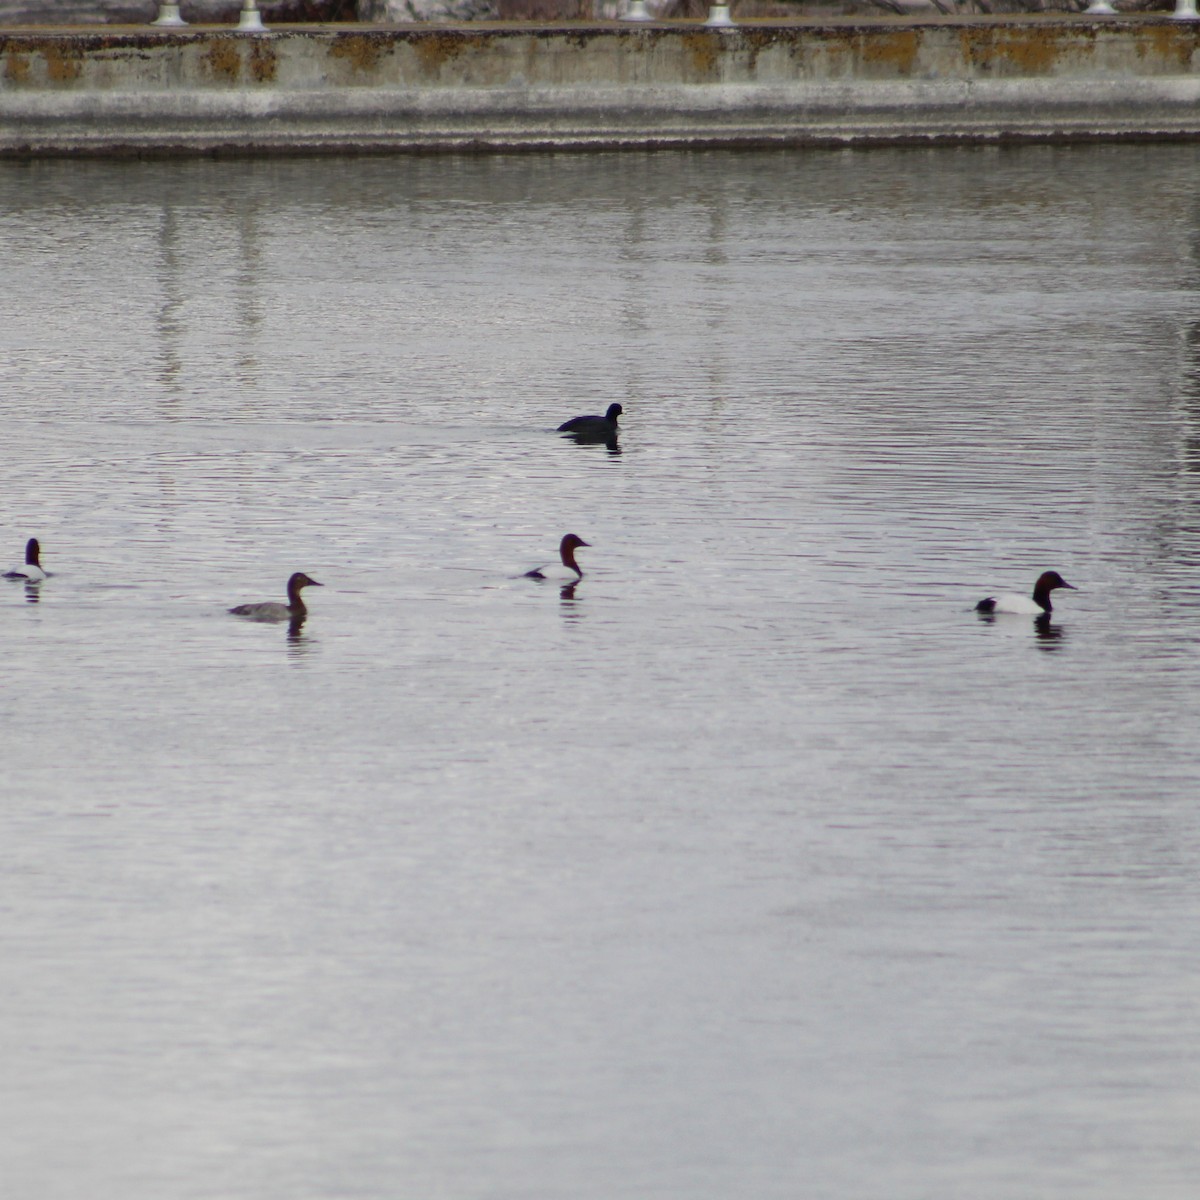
column 1048, row 581
column 566, row 550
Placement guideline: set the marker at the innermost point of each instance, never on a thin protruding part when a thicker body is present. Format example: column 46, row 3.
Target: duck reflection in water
column 1049, row 635
column 583, row 439
column 299, row 644
column 33, row 593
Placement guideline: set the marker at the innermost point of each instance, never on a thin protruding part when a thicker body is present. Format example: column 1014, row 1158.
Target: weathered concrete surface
column 205, row 90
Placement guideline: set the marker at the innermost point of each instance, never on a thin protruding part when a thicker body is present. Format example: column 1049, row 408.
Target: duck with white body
column 566, row 571
column 31, row 571
column 1036, row 606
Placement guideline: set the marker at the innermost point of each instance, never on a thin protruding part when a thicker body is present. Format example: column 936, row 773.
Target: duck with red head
column 31, row 571
column 569, row 570
column 1038, row 606
column 271, row 610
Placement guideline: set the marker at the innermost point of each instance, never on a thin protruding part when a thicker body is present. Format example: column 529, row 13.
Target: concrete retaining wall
column 351, row 88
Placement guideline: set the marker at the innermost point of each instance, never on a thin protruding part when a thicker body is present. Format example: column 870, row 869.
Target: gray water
column 759, row 864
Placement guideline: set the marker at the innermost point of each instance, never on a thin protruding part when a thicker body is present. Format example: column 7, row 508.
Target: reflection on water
column 169, row 323
column 249, row 270
column 299, row 643
column 609, row 442
column 1049, row 633
column 749, row 849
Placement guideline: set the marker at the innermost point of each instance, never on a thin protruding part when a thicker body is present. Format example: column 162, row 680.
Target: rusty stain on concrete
column 434, row 50
column 1171, row 42
column 835, row 53
column 755, row 41
column 701, row 50
column 224, row 59
column 16, row 67
column 360, row 52
column 264, row 64
column 64, row 63
column 897, row 50
column 1023, row 51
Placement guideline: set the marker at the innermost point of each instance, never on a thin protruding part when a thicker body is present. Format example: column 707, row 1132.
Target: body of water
column 757, row 864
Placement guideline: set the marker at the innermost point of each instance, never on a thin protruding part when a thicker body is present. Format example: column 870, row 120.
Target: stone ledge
column 304, row 89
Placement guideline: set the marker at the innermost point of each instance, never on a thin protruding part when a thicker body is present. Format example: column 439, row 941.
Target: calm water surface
column 759, row 865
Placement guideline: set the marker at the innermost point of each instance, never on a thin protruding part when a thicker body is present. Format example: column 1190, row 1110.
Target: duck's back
column 1018, row 605
column 28, row 572
column 592, row 423
column 266, row 610
column 589, row 424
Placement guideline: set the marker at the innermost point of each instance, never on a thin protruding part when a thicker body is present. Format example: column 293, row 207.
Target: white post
column 1185, row 10
column 251, row 20
column 719, row 18
column 637, row 12
column 168, row 14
